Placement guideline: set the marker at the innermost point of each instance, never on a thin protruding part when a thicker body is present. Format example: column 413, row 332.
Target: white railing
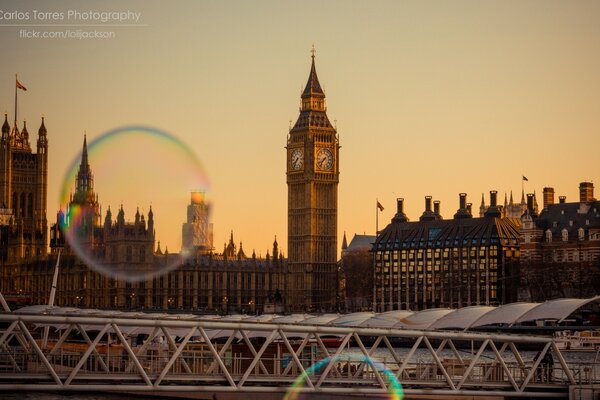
column 184, row 355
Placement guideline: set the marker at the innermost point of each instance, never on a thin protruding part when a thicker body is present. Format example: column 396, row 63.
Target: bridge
column 187, row 355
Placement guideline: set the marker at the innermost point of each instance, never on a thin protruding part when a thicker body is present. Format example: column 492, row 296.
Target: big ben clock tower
column 312, row 179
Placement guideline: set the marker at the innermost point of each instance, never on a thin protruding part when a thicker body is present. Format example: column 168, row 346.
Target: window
column 549, row 236
column 565, row 235
column 128, row 254
column 581, row 233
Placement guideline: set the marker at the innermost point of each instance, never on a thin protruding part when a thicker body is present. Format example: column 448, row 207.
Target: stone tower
column 84, row 205
column 23, row 192
column 197, row 231
column 312, row 179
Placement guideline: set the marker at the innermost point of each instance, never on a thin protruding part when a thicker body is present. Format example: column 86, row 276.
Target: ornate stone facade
column 23, row 193
column 312, row 179
column 560, row 247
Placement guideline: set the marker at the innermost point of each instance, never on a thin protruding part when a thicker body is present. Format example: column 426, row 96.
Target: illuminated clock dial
column 324, row 159
column 297, row 159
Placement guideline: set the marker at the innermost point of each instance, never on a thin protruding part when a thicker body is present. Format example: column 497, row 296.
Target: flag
column 19, row 86
column 525, row 178
column 379, row 206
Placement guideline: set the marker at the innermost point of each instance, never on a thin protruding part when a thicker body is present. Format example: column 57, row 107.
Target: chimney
column 400, row 216
column 493, row 210
column 493, row 195
column 548, row 197
column 562, row 199
column 436, row 207
column 586, row 192
column 400, row 205
column 428, row 214
column 530, row 202
column 470, row 208
column 463, row 207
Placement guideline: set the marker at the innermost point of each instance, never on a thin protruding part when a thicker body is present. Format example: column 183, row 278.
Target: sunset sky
column 430, row 97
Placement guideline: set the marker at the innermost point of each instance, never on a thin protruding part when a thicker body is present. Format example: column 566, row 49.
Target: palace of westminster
column 510, row 252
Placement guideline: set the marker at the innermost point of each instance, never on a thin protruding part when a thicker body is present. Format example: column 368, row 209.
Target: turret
column 275, row 248
column 5, row 128
column 151, row 221
column 313, row 97
column 121, row 218
column 108, row 219
column 42, row 142
column 25, row 133
column 482, row 207
column 344, row 242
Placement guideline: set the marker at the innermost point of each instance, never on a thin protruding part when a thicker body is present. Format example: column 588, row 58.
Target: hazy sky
column 430, row 97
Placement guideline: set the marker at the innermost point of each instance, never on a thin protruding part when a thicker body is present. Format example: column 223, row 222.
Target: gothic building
column 510, row 209
column 436, row 262
column 312, row 179
column 23, row 193
column 125, row 247
column 560, row 247
column 356, row 264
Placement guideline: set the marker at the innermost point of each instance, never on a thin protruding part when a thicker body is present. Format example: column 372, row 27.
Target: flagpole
column 376, row 216
column 16, row 79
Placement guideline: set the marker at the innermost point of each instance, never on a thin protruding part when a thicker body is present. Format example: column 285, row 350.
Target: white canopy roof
column 435, row 318
column 461, row 318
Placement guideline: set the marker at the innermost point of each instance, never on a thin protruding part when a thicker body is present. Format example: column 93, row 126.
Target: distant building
column 560, row 247
column 124, row 247
column 435, row 262
column 510, row 209
column 197, row 232
column 357, row 270
column 23, row 193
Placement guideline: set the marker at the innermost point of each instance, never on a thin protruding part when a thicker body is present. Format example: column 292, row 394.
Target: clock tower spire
column 312, row 179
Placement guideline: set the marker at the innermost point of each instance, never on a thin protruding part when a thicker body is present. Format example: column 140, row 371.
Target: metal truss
column 184, row 356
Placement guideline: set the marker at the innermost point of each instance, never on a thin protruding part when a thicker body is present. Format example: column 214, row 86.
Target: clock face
column 297, row 159
column 324, row 159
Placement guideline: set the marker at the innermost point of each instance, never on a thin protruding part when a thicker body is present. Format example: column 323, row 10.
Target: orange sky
column 431, row 98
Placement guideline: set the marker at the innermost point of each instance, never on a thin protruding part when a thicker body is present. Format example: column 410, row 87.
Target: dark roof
column 313, row 87
column 449, row 233
column 313, row 119
column 361, row 242
column 559, row 216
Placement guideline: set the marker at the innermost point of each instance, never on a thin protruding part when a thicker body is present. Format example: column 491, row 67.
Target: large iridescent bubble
column 298, row 389
column 142, row 177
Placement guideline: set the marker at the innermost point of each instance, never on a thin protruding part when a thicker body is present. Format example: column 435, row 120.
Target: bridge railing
column 182, row 355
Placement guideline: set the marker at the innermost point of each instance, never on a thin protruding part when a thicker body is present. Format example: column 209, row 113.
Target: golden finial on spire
column 313, row 51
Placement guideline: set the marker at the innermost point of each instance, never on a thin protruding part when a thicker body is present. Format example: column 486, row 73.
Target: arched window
column 30, row 205
column 22, row 205
column 548, row 236
column 581, row 233
column 142, row 254
column 565, row 235
column 15, row 204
